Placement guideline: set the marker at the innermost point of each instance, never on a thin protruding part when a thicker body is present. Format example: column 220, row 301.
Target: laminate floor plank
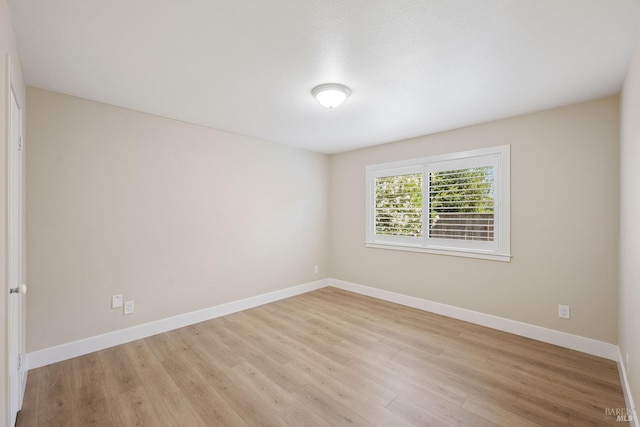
column 203, row 396
column 327, row 358
column 169, row 402
column 307, row 358
column 57, row 403
column 388, row 330
column 528, row 350
column 565, row 398
column 334, row 411
column 29, row 413
column 133, row 407
column 443, row 412
column 287, row 407
column 490, row 383
column 496, row 414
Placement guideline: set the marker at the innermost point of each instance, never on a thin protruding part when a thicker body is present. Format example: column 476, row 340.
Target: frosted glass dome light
column 331, row 95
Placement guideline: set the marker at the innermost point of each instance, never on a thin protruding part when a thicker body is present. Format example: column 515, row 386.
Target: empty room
column 320, row 213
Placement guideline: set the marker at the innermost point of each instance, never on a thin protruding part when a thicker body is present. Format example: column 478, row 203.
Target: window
column 455, row 204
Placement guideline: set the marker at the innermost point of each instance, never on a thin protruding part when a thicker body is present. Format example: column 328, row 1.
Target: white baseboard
column 626, row 388
column 66, row 351
column 562, row 339
column 61, row 352
column 602, row 349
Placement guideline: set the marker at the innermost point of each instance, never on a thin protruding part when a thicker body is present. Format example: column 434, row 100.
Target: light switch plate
column 116, row 301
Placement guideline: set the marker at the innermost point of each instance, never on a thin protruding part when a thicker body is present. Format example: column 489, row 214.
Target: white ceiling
column 414, row 67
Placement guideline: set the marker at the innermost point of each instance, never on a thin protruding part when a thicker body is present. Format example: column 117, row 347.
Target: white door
column 14, row 266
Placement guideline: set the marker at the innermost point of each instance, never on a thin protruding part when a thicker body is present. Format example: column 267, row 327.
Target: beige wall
column 7, row 46
column 629, row 335
column 174, row 216
column 564, row 223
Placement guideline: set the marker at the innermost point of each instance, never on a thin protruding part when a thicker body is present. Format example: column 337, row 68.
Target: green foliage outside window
column 398, row 199
column 399, row 205
column 463, row 190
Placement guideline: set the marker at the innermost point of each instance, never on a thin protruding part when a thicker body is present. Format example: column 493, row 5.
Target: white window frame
column 498, row 249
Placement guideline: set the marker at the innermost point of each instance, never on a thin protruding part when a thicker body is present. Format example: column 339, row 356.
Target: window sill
column 465, row 254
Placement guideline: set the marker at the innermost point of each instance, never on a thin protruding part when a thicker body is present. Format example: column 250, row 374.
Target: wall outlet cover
column 128, row 307
column 564, row 311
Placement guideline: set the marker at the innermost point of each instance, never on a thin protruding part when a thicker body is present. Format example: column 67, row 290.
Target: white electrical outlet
column 128, row 307
column 316, row 268
column 564, row 311
column 116, row 301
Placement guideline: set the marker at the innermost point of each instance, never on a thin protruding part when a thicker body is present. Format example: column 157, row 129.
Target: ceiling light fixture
column 331, row 95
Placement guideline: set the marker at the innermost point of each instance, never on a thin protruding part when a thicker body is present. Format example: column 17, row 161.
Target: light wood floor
column 324, row 358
